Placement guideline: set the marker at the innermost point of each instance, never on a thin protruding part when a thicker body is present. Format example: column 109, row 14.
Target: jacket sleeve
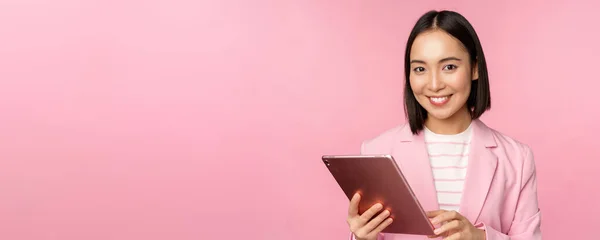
column 381, row 236
column 527, row 221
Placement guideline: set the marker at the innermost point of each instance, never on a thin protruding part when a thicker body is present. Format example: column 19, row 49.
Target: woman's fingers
column 446, row 216
column 368, row 232
column 372, row 225
column 367, row 215
column 432, row 214
column 453, row 225
column 366, row 225
column 382, row 226
column 353, row 209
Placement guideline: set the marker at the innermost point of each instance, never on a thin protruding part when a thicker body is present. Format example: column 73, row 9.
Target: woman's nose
column 435, row 83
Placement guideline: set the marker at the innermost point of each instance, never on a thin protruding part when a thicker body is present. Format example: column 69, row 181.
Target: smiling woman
column 475, row 182
column 439, row 83
column 446, row 68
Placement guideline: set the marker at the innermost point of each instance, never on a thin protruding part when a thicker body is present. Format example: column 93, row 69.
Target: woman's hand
column 361, row 227
column 455, row 226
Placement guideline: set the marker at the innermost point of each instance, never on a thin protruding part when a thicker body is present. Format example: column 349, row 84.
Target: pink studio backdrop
column 206, row 120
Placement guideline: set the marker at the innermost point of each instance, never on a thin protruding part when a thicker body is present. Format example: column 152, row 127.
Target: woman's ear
column 475, row 72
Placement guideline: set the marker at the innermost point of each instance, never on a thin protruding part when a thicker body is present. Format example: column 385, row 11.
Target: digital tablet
column 378, row 179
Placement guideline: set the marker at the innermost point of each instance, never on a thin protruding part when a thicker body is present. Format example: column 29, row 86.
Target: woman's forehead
column 435, row 45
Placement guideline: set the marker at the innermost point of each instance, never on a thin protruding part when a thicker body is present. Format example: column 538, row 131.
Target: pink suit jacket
column 500, row 192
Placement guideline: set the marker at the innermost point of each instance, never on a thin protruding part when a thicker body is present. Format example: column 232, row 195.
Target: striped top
column 449, row 156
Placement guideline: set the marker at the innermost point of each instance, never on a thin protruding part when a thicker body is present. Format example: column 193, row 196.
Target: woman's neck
column 455, row 124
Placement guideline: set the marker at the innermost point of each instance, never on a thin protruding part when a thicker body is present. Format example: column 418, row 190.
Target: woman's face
column 441, row 74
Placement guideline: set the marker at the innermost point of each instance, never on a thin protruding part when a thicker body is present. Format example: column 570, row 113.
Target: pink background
column 206, row 120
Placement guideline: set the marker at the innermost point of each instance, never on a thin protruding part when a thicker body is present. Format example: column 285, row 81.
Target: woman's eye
column 419, row 69
column 450, row 67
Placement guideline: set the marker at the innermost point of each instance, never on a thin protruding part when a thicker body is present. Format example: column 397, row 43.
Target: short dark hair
column 456, row 25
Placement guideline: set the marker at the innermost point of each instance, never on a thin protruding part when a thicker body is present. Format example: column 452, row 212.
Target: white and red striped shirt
column 449, row 157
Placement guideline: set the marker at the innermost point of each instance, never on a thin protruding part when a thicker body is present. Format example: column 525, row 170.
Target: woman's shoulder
column 514, row 155
column 383, row 141
column 513, row 150
column 509, row 143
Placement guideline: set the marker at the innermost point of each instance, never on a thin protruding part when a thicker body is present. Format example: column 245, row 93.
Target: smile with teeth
column 439, row 100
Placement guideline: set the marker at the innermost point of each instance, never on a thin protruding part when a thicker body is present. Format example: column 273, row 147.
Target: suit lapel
column 410, row 153
column 480, row 171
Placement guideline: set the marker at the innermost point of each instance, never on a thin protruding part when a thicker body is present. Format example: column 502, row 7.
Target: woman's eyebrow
column 442, row 60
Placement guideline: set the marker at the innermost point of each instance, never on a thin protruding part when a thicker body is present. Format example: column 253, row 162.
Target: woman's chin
column 439, row 116
column 447, row 114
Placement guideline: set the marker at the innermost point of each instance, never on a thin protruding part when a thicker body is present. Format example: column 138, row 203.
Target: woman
column 475, row 182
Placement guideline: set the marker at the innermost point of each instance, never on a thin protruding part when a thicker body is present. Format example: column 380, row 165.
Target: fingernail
column 437, row 231
column 434, row 221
